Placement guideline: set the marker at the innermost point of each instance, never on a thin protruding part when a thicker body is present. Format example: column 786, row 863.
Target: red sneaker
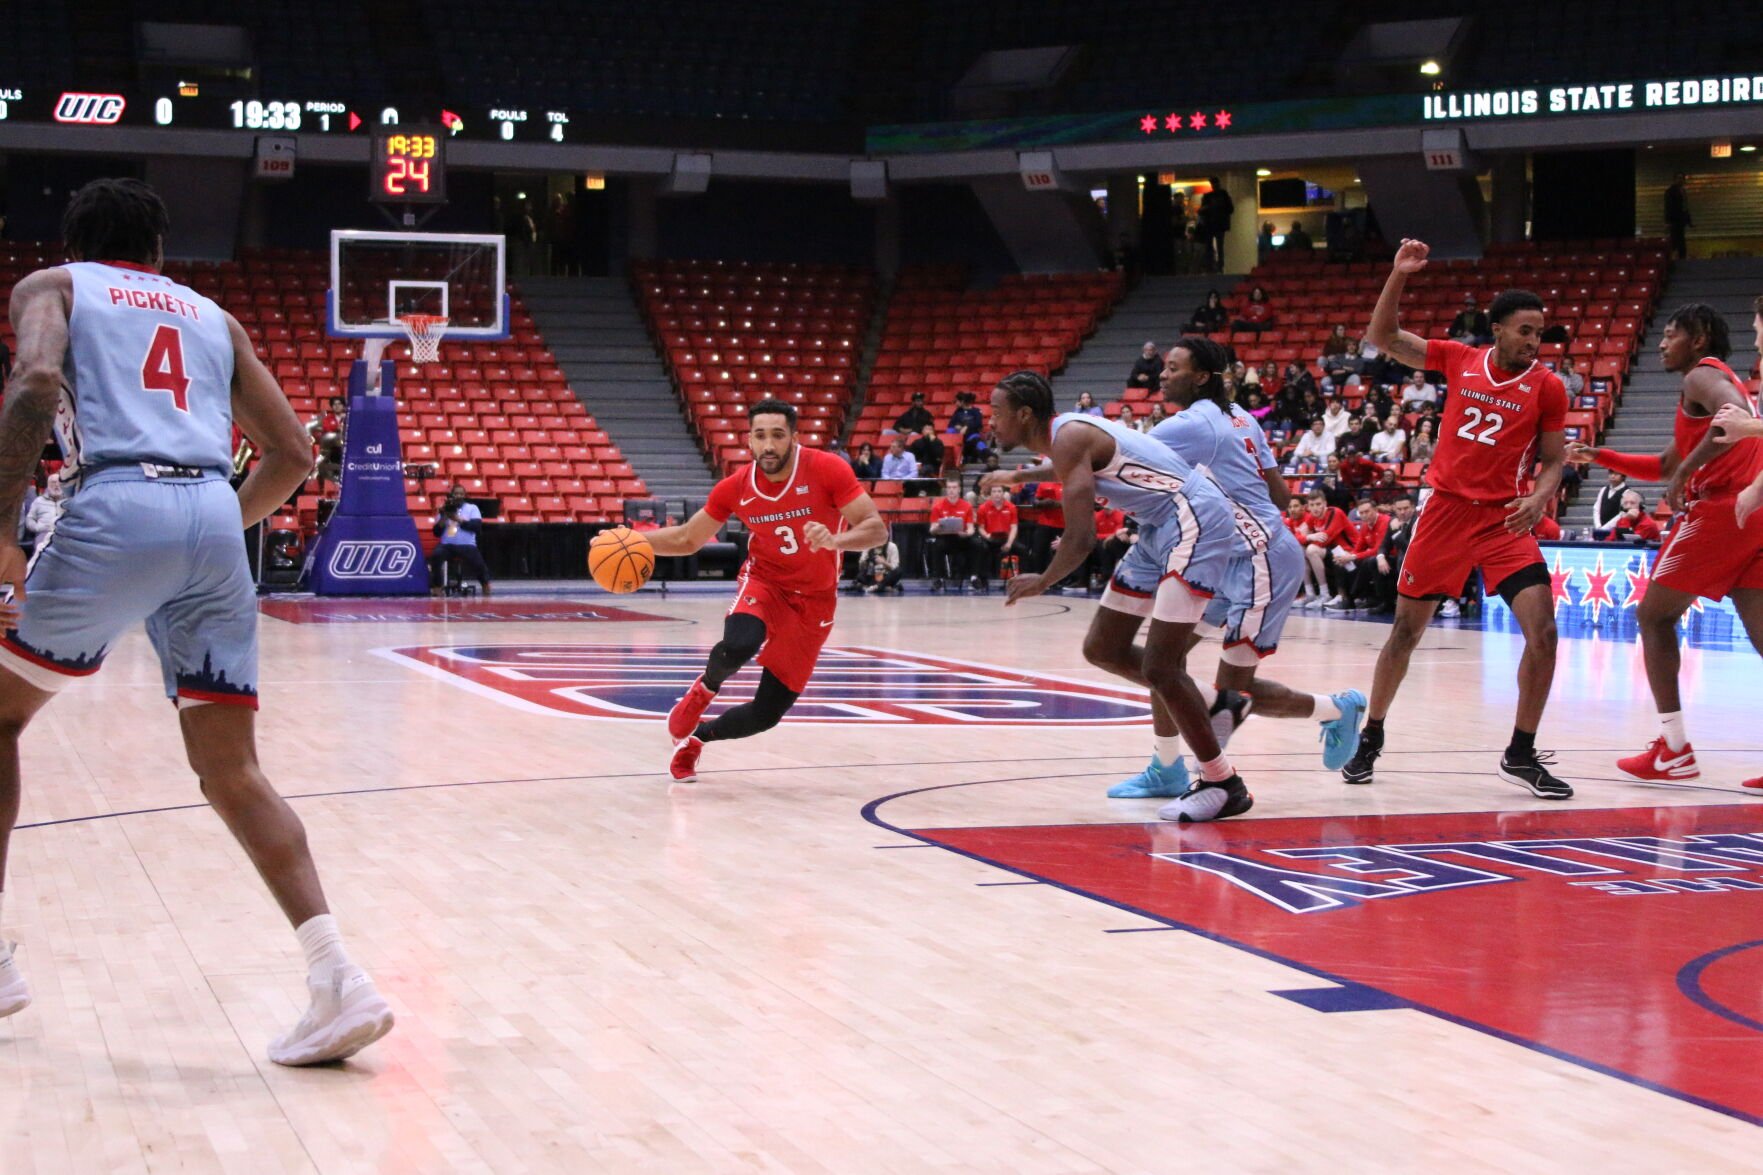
column 1757, row 782
column 684, row 765
column 683, row 718
column 1659, row 761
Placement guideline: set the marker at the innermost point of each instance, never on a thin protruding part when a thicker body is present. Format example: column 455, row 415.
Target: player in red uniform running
column 801, row 507
column 1711, row 552
column 1503, row 412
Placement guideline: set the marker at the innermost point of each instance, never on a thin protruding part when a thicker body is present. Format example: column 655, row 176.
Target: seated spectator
column 1256, row 405
column 879, row 570
column 1157, row 416
column 1320, row 531
column 1258, row 315
column 1390, row 443
column 1422, row 443
column 41, row 515
column 1333, row 486
column 1547, row 529
column 1355, row 559
column 1086, row 404
column 1382, row 583
column 899, row 465
column 1147, row 369
column 1336, row 420
column 1269, row 381
column 927, row 448
column 1607, row 507
column 1378, row 403
column 457, row 524
column 1357, row 471
column 1128, row 419
column 950, row 553
column 1264, row 245
column 1211, row 316
column 864, row 462
column 969, row 424
column 1334, row 344
column 1298, row 241
column 1471, row 324
column 1299, row 382
column 1571, row 379
column 992, row 462
column 1387, row 488
column 1417, row 393
column 997, row 523
column 1633, row 521
column 1113, row 540
column 1377, row 368
column 912, row 421
column 1313, row 449
column 1295, row 514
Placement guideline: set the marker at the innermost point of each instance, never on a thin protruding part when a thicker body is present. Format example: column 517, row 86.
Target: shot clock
column 408, row 166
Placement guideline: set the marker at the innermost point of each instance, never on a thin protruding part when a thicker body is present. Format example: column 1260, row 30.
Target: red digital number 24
column 163, row 369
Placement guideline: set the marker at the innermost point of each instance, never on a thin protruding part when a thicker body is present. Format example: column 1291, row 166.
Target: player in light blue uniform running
column 140, row 379
column 1250, row 610
column 1187, row 542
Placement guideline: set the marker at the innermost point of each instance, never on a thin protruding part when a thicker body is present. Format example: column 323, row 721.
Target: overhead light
column 1262, row 172
column 1720, row 150
column 1748, row 148
column 1429, row 68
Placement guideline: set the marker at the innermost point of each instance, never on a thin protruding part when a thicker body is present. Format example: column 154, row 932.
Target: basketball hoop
column 425, row 332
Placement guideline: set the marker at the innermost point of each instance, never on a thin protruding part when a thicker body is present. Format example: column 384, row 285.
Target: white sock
column 1216, row 770
column 1168, row 749
column 322, row 942
column 1326, row 710
column 1208, row 694
column 1672, row 725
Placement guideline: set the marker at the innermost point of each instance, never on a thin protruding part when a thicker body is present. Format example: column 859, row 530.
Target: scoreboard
column 408, row 165
column 186, row 107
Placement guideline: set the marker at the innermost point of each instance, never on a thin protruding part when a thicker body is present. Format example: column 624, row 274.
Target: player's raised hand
column 1411, row 257
column 1732, row 423
column 1022, row 587
column 1526, row 513
column 818, row 536
column 1747, row 502
column 1580, row 453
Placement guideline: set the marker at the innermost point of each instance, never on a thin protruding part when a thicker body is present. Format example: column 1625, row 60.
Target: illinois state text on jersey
column 1491, row 422
column 819, row 485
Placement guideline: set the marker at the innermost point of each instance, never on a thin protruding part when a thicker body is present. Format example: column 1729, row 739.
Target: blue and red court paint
column 451, row 610
column 1629, row 941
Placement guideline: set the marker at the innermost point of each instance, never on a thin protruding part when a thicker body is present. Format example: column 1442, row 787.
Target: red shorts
column 796, row 626
column 1708, row 555
column 1452, row 537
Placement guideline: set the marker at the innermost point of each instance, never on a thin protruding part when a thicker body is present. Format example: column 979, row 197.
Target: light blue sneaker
column 1340, row 736
column 1155, row 780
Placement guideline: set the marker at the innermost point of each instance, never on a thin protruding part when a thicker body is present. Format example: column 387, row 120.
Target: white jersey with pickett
column 149, row 372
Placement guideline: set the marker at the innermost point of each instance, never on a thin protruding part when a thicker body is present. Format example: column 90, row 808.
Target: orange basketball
column 620, row 560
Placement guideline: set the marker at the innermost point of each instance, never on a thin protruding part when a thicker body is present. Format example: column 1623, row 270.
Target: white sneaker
column 1332, row 602
column 15, row 993
column 1449, row 610
column 1307, row 600
column 347, row 1014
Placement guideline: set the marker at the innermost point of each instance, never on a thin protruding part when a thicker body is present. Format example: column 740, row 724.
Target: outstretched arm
column 1384, row 332
column 686, row 539
column 1076, row 454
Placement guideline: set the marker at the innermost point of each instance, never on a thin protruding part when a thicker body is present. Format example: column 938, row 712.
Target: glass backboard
column 378, row 277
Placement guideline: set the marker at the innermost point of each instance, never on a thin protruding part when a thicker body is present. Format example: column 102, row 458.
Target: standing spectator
column 1389, row 557
column 1471, row 324
column 1216, row 210
column 1264, row 243
column 997, row 529
column 951, row 554
column 1333, row 487
column 523, row 236
column 1257, row 316
column 865, row 464
column 1422, row 443
column 1320, row 530
column 1632, row 520
column 1336, row 421
column 1313, row 449
column 1211, row 315
column 969, row 425
column 927, row 449
column 560, row 223
column 1147, row 369
column 1417, row 393
column 1390, row 444
column 879, row 570
column 1607, row 506
column 912, row 421
column 457, row 525
column 1086, row 404
column 899, row 465
column 1677, row 217
column 1298, row 241
column 1358, row 473
column 1113, row 540
column 1355, row 559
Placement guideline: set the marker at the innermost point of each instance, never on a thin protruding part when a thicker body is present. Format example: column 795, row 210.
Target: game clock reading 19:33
column 409, row 166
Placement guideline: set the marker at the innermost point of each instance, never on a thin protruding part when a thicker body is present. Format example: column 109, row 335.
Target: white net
column 425, row 332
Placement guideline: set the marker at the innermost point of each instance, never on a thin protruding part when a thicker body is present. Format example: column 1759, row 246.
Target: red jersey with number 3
column 816, row 487
column 1492, row 423
column 1733, row 467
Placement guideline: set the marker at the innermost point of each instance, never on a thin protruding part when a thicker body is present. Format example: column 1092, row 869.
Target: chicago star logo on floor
column 850, row 685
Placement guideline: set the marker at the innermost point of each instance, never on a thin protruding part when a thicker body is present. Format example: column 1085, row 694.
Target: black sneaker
column 1209, row 801
column 1360, row 767
column 1227, row 713
column 1527, row 771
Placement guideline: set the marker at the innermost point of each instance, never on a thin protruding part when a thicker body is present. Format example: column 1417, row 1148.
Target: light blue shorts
column 126, row 549
column 1178, row 565
column 1259, row 592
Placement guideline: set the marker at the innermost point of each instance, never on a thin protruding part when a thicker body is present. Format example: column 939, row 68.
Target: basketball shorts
column 1260, row 590
column 1452, row 537
column 796, row 626
column 128, row 549
column 1709, row 555
column 1179, row 565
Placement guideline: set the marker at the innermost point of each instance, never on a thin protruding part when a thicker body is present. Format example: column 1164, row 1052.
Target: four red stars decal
column 1173, row 123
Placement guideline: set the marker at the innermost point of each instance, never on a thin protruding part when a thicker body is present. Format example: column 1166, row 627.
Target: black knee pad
column 1536, row 575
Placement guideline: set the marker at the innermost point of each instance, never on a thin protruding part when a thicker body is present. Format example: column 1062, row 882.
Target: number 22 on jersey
column 163, row 368
column 1472, row 420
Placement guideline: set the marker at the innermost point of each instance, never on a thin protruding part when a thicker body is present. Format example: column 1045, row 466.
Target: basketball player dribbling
column 802, row 507
column 140, row 380
column 1503, row 412
column 1716, row 549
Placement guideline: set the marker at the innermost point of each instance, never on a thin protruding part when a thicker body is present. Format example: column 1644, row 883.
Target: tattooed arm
column 40, row 306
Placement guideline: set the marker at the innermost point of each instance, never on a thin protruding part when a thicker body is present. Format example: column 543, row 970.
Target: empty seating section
column 735, row 333
column 942, row 339
column 495, row 416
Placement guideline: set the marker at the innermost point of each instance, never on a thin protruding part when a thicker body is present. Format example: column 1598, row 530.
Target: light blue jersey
column 149, row 373
column 1144, row 478
column 1234, row 451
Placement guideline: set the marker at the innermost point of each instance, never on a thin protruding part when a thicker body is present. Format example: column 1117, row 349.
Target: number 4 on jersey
column 163, row 369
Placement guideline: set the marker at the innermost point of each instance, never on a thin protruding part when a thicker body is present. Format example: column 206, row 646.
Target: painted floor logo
column 850, row 685
column 450, row 610
column 1626, row 940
